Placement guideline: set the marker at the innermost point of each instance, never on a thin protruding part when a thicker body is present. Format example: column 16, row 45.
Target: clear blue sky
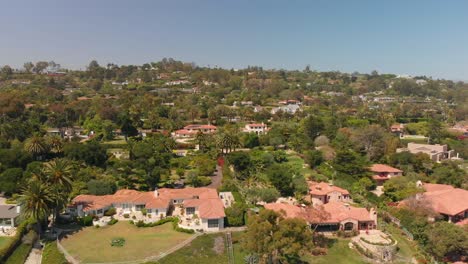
column 417, row 37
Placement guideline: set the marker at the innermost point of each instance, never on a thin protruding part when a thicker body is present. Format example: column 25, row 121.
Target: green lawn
column 338, row 253
column 298, row 163
column 208, row 248
column 239, row 254
column 94, row 244
column 4, row 241
column 407, row 249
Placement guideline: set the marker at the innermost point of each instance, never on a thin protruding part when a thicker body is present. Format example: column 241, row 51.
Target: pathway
column 35, row 256
column 216, row 180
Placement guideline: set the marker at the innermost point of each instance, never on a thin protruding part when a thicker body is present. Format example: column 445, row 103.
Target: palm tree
column 36, row 201
column 55, row 143
column 58, row 177
column 36, row 146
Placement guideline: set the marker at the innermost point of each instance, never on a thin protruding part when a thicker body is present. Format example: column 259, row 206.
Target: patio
column 135, row 216
column 7, row 231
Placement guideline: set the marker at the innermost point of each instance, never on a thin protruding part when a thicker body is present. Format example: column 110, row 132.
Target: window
column 99, row 211
column 213, row 223
column 138, row 207
column 190, row 210
column 149, row 211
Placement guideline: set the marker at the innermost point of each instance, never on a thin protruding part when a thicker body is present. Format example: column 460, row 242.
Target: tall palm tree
column 36, row 200
column 58, row 173
column 36, row 146
column 58, row 177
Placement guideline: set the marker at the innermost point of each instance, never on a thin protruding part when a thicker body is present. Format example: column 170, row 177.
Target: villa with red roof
column 259, row 129
column 450, row 202
column 192, row 130
column 341, row 216
column 323, row 193
column 383, row 172
column 200, row 204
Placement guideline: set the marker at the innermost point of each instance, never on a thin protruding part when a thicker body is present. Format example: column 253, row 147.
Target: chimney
column 156, row 193
column 18, row 209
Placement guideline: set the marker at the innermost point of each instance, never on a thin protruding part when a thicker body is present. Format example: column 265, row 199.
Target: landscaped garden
column 100, row 244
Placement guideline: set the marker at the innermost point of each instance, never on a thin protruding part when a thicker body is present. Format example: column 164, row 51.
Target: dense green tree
column 10, row 180
column 276, row 239
column 281, row 177
column 446, row 239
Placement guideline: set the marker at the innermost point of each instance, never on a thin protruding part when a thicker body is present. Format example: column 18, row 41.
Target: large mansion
column 341, row 216
column 192, row 130
column 202, row 205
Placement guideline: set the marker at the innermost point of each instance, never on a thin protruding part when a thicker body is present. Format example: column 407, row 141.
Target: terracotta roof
column 448, row 201
column 210, row 205
column 338, row 212
column 291, row 211
column 208, row 208
column 384, row 168
column 433, row 187
column 323, row 188
column 342, row 211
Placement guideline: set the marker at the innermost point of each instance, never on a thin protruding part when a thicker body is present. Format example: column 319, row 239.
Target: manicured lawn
column 209, row 249
column 338, row 253
column 52, row 255
column 94, row 244
column 3, row 241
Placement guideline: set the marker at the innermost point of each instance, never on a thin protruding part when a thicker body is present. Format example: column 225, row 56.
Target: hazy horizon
column 400, row 37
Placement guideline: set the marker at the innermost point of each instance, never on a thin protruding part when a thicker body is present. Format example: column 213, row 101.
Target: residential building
column 9, row 214
column 398, row 129
column 290, row 109
column 198, row 208
column 323, row 193
column 191, row 130
column 340, row 216
column 383, row 172
column 450, row 202
column 259, row 129
column 435, row 152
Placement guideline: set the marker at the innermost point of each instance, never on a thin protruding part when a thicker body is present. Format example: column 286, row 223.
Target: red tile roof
column 384, row 168
column 323, row 188
column 338, row 212
column 449, row 201
column 433, row 187
column 210, row 205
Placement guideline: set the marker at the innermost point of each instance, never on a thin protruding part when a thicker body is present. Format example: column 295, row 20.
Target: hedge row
column 8, row 249
column 174, row 220
column 20, row 254
column 51, row 254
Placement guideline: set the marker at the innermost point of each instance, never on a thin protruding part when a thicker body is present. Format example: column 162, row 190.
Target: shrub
column 51, row 254
column 14, row 241
column 319, row 251
column 113, row 221
column 118, row 242
column 110, row 212
column 126, row 215
column 97, row 226
column 133, row 217
column 175, row 224
column 86, row 221
column 144, row 211
column 20, row 254
column 346, row 234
